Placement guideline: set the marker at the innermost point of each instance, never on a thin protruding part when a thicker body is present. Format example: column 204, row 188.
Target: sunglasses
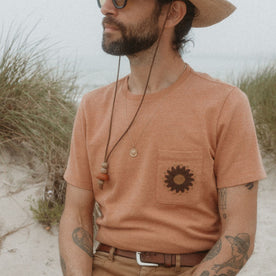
column 118, row 4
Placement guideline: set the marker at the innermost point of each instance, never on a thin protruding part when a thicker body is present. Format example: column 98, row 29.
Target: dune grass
column 260, row 88
column 38, row 105
column 47, row 213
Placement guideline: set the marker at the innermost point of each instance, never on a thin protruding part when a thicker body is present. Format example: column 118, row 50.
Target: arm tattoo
column 240, row 246
column 83, row 240
column 213, row 252
column 250, row 185
column 228, row 273
column 205, row 273
column 222, row 201
column 63, row 265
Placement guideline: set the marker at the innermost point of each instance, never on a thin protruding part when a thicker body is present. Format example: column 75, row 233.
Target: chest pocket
column 179, row 179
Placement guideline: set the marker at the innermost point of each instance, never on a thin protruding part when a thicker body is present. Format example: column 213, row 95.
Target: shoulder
column 208, row 88
column 101, row 96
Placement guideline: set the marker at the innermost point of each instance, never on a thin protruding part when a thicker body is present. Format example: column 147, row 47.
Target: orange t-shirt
column 192, row 138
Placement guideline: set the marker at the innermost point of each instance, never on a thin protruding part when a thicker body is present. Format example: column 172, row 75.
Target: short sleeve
column 78, row 170
column 237, row 158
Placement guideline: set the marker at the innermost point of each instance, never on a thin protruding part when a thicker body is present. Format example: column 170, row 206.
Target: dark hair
column 184, row 26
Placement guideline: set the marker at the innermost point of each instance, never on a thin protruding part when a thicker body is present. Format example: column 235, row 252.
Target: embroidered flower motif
column 179, row 179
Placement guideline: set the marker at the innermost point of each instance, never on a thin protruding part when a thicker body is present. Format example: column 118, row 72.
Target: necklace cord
column 143, row 97
column 112, row 112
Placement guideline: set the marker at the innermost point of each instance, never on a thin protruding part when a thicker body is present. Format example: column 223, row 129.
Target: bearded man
column 169, row 155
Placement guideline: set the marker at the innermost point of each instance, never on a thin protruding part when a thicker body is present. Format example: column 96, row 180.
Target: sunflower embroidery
column 179, row 179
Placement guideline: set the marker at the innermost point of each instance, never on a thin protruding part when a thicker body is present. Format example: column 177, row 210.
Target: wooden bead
column 100, row 182
column 103, row 170
column 105, row 165
column 103, row 176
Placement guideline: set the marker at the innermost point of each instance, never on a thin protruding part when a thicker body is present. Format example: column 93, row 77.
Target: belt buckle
column 139, row 262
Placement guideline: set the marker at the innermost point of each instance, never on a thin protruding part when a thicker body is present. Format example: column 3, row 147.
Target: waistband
column 155, row 258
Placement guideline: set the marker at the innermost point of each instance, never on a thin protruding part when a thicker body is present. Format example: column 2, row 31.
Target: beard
column 134, row 38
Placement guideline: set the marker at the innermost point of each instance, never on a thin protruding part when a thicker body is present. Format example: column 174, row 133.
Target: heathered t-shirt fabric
column 192, row 138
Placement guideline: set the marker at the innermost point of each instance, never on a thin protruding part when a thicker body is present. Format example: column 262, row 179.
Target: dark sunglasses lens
column 119, row 3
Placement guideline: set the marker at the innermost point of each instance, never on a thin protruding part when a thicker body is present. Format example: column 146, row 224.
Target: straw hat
column 210, row 12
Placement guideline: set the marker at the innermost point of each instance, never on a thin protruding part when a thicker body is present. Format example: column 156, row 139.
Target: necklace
column 133, row 149
column 103, row 175
column 133, row 152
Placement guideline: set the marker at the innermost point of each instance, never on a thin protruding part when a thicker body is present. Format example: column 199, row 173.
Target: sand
column 27, row 249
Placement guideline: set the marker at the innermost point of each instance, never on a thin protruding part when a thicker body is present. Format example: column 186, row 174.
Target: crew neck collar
column 130, row 96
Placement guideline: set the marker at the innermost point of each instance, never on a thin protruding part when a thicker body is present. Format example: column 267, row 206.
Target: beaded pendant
column 103, row 176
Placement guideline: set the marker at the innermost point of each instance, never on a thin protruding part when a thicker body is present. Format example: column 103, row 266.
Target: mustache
column 111, row 21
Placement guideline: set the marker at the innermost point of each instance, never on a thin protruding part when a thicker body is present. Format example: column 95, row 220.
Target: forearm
column 228, row 255
column 237, row 207
column 76, row 245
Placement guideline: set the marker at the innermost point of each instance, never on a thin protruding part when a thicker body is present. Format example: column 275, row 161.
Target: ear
column 177, row 12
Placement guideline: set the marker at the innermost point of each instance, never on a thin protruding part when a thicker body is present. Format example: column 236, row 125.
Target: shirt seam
column 220, row 112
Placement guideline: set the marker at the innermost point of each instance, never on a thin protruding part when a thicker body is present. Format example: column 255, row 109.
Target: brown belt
column 151, row 258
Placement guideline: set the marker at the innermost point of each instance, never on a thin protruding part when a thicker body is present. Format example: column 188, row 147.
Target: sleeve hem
column 78, row 184
column 241, row 181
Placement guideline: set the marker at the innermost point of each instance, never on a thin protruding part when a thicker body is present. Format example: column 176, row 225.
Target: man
column 170, row 155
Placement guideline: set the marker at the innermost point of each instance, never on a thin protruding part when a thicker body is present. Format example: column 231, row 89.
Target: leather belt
column 155, row 259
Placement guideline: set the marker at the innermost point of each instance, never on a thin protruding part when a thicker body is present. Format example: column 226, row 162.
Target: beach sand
column 27, row 249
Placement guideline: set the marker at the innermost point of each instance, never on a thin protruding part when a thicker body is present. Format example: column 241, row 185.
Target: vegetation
column 261, row 91
column 38, row 105
column 46, row 212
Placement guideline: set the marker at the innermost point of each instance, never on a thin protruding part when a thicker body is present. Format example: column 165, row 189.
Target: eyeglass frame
column 114, row 3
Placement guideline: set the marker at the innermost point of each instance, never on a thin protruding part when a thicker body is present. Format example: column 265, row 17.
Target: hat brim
column 210, row 12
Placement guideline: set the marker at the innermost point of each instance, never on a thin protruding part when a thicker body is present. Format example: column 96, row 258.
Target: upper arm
column 78, row 201
column 238, row 208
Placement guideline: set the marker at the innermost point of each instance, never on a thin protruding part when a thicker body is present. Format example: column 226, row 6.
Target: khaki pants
column 105, row 264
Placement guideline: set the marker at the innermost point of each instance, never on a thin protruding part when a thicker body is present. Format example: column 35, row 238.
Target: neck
column 167, row 68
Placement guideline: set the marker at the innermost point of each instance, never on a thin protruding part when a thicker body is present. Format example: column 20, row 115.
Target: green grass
column 260, row 88
column 38, row 105
column 48, row 213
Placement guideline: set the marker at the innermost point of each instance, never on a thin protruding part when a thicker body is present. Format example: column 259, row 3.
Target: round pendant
column 133, row 152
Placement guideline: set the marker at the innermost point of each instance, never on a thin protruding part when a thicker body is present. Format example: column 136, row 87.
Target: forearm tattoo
column 205, row 273
column 250, row 185
column 213, row 252
column 63, row 265
column 222, row 201
column 83, row 240
column 240, row 245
